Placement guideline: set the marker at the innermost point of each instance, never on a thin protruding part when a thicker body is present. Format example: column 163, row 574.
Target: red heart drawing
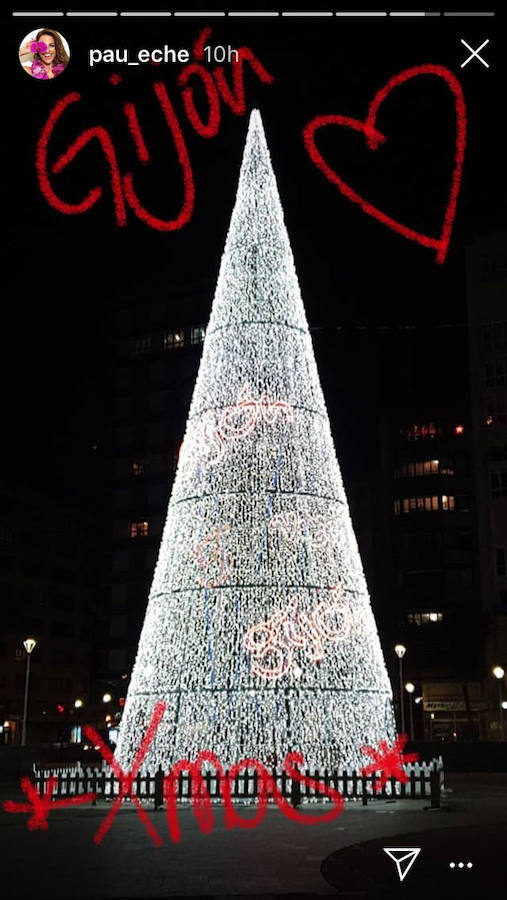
column 374, row 137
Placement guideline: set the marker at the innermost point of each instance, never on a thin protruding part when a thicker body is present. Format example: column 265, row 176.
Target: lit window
column 174, row 339
column 75, row 734
column 197, row 334
column 498, row 484
column 500, row 562
column 424, row 618
column 428, row 503
column 424, row 467
column 139, row 529
column 421, row 432
column 140, row 346
column 137, row 468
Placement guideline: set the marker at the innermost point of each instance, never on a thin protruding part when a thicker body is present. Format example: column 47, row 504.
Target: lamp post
column 499, row 673
column 106, row 699
column 29, row 645
column 410, row 688
column 400, row 651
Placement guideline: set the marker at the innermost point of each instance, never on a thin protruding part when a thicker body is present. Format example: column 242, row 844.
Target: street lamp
column 400, row 651
column 78, row 703
column 29, row 645
column 410, row 688
column 107, row 698
column 499, row 673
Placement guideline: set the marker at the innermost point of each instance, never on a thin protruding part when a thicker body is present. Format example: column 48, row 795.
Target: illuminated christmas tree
column 259, row 633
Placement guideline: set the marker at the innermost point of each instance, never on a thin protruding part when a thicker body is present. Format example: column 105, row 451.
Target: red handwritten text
column 201, row 802
column 126, row 779
column 387, row 760
column 216, row 90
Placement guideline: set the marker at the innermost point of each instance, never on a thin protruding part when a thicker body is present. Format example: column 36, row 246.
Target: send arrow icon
column 404, row 857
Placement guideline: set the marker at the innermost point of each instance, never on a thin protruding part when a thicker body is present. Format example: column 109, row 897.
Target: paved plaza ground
column 278, row 858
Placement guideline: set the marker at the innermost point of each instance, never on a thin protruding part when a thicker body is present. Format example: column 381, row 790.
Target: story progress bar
column 253, row 14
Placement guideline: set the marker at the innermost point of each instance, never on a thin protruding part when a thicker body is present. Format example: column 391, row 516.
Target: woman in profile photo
column 49, row 55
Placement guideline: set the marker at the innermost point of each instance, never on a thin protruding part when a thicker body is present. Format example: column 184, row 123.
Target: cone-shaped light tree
column 259, row 634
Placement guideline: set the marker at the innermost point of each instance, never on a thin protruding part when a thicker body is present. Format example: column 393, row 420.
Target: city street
column 277, row 858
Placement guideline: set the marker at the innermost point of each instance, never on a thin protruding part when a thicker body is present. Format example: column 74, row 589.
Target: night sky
column 69, row 270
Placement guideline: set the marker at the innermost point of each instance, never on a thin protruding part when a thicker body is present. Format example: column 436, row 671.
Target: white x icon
column 475, row 53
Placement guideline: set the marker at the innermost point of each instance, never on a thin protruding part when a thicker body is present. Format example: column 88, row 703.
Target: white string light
column 259, row 633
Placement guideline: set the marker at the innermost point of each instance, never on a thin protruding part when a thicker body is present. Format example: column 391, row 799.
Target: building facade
column 47, row 589
column 436, row 591
column 487, row 316
column 158, row 344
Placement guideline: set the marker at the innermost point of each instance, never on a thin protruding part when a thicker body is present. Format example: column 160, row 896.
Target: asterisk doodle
column 389, row 761
column 39, row 807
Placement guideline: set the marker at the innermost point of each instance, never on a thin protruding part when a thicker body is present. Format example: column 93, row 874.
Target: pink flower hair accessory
column 38, row 45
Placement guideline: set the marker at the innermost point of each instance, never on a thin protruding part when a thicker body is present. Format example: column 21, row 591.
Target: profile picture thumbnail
column 44, row 54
